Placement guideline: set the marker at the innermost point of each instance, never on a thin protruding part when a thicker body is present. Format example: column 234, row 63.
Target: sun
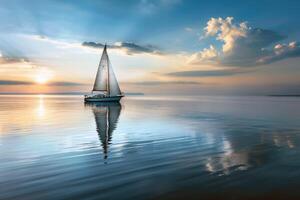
column 42, row 78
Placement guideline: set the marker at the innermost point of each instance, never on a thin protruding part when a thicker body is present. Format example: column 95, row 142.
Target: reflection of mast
column 106, row 117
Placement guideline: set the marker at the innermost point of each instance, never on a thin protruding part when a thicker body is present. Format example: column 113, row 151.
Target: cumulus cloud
column 226, row 31
column 129, row 47
column 206, row 55
column 243, row 45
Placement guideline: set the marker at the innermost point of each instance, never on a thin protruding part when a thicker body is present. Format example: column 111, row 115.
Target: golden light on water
column 41, row 108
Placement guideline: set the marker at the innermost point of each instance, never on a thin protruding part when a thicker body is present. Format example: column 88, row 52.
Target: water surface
column 57, row 147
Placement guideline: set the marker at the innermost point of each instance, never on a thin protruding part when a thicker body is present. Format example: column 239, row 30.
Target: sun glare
column 42, row 77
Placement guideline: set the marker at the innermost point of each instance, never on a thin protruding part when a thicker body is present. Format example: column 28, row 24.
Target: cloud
column 149, row 83
column 9, row 82
column 226, row 31
column 206, row 55
column 242, row 45
column 281, row 51
column 151, row 6
column 59, row 43
column 129, row 47
column 65, row 83
column 59, row 83
column 9, row 59
column 207, row 73
column 188, row 29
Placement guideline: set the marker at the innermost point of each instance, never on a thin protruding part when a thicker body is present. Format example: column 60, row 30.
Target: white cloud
column 7, row 59
column 226, row 31
column 283, row 48
column 152, row 6
column 207, row 54
column 188, row 29
column 59, row 43
column 281, row 51
column 243, row 45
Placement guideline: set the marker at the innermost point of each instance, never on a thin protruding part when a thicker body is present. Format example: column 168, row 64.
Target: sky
column 171, row 47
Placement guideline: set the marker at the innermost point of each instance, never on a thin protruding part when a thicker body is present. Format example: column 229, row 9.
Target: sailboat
column 106, row 87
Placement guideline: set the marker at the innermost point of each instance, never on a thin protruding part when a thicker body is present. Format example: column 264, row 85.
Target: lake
column 149, row 147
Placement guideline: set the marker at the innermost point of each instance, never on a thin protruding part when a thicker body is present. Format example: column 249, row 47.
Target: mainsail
column 105, row 79
column 101, row 81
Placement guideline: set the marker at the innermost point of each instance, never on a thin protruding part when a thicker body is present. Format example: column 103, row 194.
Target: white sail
column 105, row 79
column 101, row 81
column 114, row 89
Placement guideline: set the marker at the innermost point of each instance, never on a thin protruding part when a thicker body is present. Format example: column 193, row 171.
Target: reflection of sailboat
column 106, row 117
column 106, row 87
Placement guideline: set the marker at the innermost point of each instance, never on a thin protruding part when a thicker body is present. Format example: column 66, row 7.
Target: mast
column 108, row 84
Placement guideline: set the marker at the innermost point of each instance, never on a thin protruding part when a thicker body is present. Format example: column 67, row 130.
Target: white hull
column 103, row 99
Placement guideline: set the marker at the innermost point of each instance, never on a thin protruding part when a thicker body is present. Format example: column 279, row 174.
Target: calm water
column 56, row 147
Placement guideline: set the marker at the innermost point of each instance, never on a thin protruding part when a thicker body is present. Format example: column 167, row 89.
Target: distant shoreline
column 67, row 93
column 284, row 95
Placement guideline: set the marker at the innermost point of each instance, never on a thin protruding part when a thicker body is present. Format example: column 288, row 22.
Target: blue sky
column 164, row 37
column 140, row 21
